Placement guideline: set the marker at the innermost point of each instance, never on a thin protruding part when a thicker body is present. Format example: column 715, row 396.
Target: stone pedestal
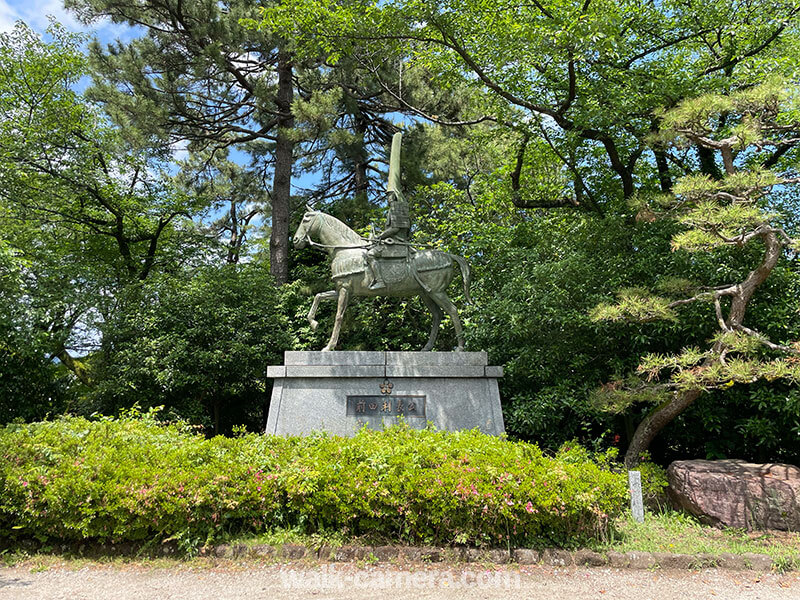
column 340, row 392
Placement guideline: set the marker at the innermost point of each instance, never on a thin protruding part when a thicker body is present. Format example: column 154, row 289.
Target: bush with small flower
column 134, row 478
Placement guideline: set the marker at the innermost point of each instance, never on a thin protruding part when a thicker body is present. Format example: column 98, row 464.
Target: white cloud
column 7, row 16
column 36, row 14
column 180, row 149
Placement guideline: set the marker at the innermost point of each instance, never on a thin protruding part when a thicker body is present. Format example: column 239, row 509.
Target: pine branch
column 765, row 341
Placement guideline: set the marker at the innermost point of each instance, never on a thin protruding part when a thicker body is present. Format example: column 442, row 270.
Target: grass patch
column 676, row 532
column 279, row 537
column 50, row 558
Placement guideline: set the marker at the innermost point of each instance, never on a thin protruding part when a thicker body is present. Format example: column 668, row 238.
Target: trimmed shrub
column 654, row 477
column 134, row 478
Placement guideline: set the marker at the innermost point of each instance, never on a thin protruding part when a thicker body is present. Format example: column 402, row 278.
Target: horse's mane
column 348, row 234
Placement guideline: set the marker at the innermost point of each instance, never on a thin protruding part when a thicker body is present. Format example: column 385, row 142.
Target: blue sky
column 36, row 12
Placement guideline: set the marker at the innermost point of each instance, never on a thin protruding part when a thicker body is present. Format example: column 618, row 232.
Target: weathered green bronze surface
column 386, row 265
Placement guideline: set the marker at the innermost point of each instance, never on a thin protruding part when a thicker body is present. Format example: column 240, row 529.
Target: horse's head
column 303, row 233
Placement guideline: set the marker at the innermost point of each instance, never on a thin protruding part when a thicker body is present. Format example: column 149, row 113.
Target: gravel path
column 136, row 582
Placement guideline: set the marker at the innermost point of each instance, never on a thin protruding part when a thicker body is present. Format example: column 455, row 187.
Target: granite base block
column 341, row 392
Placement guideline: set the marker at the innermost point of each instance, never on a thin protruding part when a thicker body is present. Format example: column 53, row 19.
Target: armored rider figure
column 393, row 241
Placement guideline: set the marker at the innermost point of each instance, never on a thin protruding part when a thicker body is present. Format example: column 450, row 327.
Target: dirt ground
column 299, row 582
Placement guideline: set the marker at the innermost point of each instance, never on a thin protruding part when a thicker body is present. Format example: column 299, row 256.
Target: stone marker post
column 635, row 485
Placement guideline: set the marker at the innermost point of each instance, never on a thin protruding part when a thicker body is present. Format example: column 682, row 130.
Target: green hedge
column 134, row 478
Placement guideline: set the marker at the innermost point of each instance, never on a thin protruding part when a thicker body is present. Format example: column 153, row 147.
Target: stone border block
column 525, row 556
column 409, row 553
column 557, row 558
column 618, row 560
column 734, row 562
column 262, row 551
column 495, row 556
column 386, row 553
column 347, row 553
column 757, row 562
column 641, row 560
column 293, row 551
column 430, row 554
column 499, row 557
column 705, row 561
column 669, row 560
column 589, row 558
column 474, row 555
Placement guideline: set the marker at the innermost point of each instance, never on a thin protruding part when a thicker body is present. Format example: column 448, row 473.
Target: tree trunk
column 654, row 422
column 628, row 188
column 623, row 170
column 361, row 163
column 282, row 182
column 75, row 366
column 708, row 164
column 664, row 180
column 233, row 244
column 662, row 164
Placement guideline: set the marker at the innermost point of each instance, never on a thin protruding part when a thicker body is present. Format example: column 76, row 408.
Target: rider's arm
column 391, row 231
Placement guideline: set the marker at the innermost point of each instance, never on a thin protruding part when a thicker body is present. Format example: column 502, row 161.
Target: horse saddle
column 391, row 251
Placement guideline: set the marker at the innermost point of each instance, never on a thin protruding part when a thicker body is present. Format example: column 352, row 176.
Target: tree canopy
column 622, row 176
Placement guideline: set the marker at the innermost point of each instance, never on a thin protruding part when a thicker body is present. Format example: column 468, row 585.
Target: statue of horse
column 423, row 273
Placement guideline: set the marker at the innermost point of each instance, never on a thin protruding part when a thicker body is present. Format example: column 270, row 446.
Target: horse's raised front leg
column 344, row 294
column 330, row 295
column 442, row 300
column 436, row 314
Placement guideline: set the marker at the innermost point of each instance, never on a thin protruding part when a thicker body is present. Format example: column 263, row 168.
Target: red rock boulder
column 737, row 493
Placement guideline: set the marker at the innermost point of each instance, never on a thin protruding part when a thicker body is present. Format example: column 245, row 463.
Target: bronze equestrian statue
column 387, row 265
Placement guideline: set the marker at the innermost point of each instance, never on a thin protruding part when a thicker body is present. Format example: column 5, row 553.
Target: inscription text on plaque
column 386, row 406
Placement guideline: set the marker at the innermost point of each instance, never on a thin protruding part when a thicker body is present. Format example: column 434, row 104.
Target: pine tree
column 732, row 212
column 198, row 76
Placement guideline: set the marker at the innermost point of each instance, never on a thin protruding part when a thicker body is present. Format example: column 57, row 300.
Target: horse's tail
column 464, row 274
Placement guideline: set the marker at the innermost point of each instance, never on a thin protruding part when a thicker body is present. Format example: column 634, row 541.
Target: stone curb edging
column 520, row 556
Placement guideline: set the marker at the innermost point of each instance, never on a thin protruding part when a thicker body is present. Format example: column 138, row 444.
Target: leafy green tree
column 347, row 117
column 31, row 387
column 536, row 277
column 586, row 76
column 198, row 344
column 716, row 215
column 87, row 213
column 757, row 422
column 234, row 197
column 92, row 219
